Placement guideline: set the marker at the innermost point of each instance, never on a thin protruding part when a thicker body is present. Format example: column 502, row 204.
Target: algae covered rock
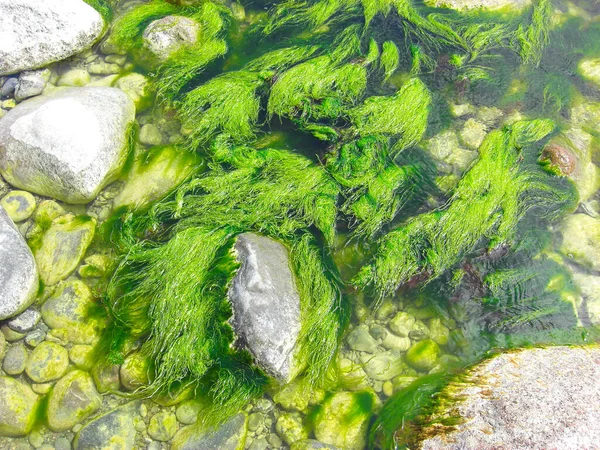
column 18, row 271
column 311, row 444
column 162, row 426
column 18, row 404
column 19, row 205
column 535, row 398
column 229, row 436
column 266, row 304
column 73, row 399
column 589, row 69
column 581, row 240
column 47, row 362
column 155, row 174
column 114, row 430
column 165, row 36
column 67, row 145
column 63, row 246
column 290, row 428
column 134, row 372
column 344, row 419
column 70, row 310
column 423, row 355
column 35, row 33
column 137, row 87
column 384, row 366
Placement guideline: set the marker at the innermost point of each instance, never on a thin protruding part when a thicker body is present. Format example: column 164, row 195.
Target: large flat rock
column 35, row 33
column 18, row 272
column 539, row 398
column 68, row 145
column 266, row 304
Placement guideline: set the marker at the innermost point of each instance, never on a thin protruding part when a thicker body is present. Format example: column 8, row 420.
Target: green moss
column 104, row 7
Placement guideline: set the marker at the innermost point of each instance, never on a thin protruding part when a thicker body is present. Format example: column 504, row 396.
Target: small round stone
column 25, row 321
column 41, row 388
column 74, row 77
column 11, row 335
column 150, row 135
column 19, row 205
column 187, row 412
column 62, row 443
column 81, row 356
column 15, row 359
column 162, row 426
column 48, row 361
column 36, row 439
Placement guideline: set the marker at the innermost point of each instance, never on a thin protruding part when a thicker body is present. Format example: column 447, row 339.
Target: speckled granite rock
column 535, row 399
column 35, row 33
column 67, row 145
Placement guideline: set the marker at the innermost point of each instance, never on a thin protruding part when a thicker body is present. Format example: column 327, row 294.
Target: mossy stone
column 150, row 135
column 344, row 419
column 74, row 78
column 291, row 428
column 589, row 69
column 162, row 426
column 15, row 359
column 423, row 355
column 402, row 323
column 134, row 371
column 137, row 87
column 114, row 430
column 63, row 246
column 106, row 377
column 73, row 399
column 229, row 436
column 155, row 174
column 70, row 309
column 384, row 366
column 438, row 332
column 18, row 405
column 187, row 412
column 82, row 356
column 48, row 361
column 581, row 240
column 19, row 205
column 294, row 396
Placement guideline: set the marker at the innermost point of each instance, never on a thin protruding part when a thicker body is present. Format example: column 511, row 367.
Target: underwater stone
column 25, row 321
column 137, row 87
column 134, row 371
column 423, row 355
column 48, row 361
column 473, row 133
column 165, row 36
column 384, row 366
column 311, row 444
column 18, row 404
column 106, row 377
column 536, row 398
column 31, row 84
column 489, row 5
column 343, row 419
column 290, row 428
column 266, row 304
column 18, row 271
column 438, row 332
column 73, row 399
column 162, row 426
column 111, row 431
column 294, row 396
column 19, row 205
column 74, row 78
column 590, row 70
column 67, row 145
column 398, row 342
column 35, row 33
column 15, row 359
column 69, row 309
column 402, row 323
column 581, row 240
column 187, row 412
column 360, row 339
column 229, row 436
column 63, row 246
column 150, row 135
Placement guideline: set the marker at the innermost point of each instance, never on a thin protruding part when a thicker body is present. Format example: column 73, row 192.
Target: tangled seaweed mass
column 356, row 78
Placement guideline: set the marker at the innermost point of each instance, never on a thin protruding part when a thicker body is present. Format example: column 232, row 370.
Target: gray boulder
column 35, row 33
column 18, row 272
column 165, row 36
column 535, row 399
column 68, row 145
column 266, row 305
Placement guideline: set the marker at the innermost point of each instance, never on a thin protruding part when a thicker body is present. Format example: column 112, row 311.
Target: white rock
column 266, row 304
column 165, row 36
column 18, row 272
column 68, row 145
column 35, row 33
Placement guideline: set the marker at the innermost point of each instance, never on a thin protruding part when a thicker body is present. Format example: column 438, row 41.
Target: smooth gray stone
column 266, row 304
column 18, row 272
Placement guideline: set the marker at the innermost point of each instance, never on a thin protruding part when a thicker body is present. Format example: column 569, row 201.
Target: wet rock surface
column 266, row 304
column 17, row 407
column 67, row 145
column 18, row 270
column 165, row 36
column 38, row 32
column 112, row 431
column 535, row 398
column 229, row 436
